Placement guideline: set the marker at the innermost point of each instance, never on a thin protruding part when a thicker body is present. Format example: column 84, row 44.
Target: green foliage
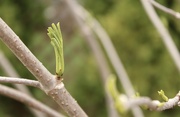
column 54, row 34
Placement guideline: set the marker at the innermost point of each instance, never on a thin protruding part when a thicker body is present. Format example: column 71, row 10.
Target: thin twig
column 110, row 50
column 20, row 81
column 154, row 105
column 98, row 54
column 165, row 9
column 165, row 36
column 10, row 71
column 87, row 19
column 24, row 98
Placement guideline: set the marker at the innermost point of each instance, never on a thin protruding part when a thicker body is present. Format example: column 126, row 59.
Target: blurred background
column 137, row 42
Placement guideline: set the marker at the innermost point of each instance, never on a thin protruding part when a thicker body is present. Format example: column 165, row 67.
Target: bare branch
column 86, row 24
column 154, row 105
column 166, row 38
column 20, row 81
column 98, row 54
column 10, row 71
column 165, row 9
column 51, row 85
column 24, row 98
column 110, row 50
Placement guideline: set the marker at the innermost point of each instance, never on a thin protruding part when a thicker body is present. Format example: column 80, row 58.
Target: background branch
column 10, row 71
column 165, row 36
column 24, row 98
column 82, row 17
column 98, row 54
column 165, row 9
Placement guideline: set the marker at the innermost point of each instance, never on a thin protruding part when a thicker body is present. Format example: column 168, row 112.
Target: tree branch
column 165, row 9
column 10, row 71
column 20, row 81
column 90, row 38
column 87, row 24
column 26, row 57
column 24, row 98
column 154, row 105
column 51, row 85
column 110, row 50
column 165, row 36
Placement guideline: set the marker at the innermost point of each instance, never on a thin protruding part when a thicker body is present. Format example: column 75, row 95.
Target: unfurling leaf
column 162, row 94
column 54, row 34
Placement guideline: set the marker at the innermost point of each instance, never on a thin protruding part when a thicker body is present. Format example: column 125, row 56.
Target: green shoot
column 162, row 94
column 112, row 88
column 54, row 34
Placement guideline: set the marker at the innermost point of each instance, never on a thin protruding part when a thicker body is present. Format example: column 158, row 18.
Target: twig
column 165, row 9
column 20, row 81
column 154, row 105
column 98, row 54
column 109, row 48
column 166, row 38
column 51, row 85
column 10, row 71
column 24, row 98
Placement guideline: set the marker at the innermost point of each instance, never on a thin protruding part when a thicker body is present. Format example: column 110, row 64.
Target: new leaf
column 54, row 34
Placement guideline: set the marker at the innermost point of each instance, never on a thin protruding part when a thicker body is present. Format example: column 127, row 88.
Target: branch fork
column 50, row 84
